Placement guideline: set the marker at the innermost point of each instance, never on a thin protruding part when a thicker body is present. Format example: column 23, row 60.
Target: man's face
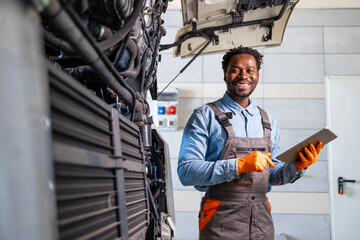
column 241, row 77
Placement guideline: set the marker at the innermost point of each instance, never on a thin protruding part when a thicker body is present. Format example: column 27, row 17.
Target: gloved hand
column 255, row 161
column 311, row 156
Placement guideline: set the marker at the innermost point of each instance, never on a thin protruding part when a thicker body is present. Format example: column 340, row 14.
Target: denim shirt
column 204, row 138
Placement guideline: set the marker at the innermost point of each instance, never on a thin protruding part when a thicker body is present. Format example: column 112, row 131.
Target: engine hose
column 57, row 42
column 144, row 63
column 137, row 105
column 135, row 55
column 81, row 40
column 123, row 8
column 121, row 52
column 129, row 24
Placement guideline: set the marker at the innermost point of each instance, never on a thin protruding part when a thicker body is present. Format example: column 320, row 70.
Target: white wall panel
column 299, row 203
column 342, row 64
column 294, row 68
column 187, row 226
column 186, row 108
column 324, row 17
column 314, row 180
column 173, row 139
column 297, row 113
column 172, row 17
column 300, row 40
column 328, row 4
column 342, row 39
column 294, row 90
column 212, row 67
column 187, row 201
column 302, row 226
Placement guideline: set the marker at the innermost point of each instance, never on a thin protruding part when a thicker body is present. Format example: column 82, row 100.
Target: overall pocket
column 208, row 211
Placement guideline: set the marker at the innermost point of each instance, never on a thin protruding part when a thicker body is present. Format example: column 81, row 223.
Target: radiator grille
column 86, row 201
column 98, row 197
column 135, row 191
column 130, row 142
column 77, row 120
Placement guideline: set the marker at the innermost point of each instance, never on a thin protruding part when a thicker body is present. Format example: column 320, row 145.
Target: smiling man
column 228, row 150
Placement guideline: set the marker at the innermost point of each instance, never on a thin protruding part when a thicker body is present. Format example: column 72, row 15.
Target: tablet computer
column 291, row 155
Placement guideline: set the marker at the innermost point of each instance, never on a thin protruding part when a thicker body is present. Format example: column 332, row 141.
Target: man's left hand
column 311, row 156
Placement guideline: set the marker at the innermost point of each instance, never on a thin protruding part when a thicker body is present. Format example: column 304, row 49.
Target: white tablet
column 291, row 155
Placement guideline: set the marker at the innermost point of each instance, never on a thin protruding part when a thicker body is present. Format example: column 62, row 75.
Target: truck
column 80, row 156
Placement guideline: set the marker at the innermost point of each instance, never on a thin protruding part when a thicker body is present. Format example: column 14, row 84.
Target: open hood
column 225, row 24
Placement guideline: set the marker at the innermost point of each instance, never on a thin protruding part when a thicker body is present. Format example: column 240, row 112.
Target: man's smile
column 242, row 85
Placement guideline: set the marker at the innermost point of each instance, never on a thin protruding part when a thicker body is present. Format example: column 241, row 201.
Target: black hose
column 135, row 55
column 129, row 24
column 121, row 52
column 57, row 42
column 79, row 38
column 123, row 7
column 136, row 104
column 142, row 77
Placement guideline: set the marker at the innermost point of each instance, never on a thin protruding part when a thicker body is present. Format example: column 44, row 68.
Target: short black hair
column 242, row 50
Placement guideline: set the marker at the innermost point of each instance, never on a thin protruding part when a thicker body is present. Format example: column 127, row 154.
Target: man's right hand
column 255, row 161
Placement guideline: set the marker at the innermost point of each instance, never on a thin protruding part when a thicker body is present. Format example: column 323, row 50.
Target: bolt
column 51, row 185
column 45, row 122
column 189, row 47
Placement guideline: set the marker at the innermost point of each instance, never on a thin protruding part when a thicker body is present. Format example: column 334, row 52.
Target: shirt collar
column 236, row 108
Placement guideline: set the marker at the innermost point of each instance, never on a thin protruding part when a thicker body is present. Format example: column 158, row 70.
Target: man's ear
column 224, row 77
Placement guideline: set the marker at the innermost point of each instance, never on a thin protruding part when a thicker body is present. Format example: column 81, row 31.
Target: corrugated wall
column 317, row 43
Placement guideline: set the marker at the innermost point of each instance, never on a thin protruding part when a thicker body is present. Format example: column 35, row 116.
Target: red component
column 171, row 110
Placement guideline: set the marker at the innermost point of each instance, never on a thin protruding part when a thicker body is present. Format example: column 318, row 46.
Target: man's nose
column 243, row 74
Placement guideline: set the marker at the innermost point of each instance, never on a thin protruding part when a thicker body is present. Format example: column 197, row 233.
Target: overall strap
column 223, row 119
column 266, row 124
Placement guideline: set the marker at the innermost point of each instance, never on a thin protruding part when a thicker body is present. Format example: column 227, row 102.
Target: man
column 226, row 152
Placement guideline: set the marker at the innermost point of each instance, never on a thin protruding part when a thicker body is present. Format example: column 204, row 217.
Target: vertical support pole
column 27, row 191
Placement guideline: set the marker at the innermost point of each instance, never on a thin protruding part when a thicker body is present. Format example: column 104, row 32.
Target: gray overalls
column 239, row 209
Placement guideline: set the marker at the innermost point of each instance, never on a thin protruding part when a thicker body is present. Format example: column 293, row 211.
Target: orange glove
column 311, row 156
column 255, row 161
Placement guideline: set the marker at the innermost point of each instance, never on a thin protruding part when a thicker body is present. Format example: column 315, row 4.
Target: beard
column 239, row 95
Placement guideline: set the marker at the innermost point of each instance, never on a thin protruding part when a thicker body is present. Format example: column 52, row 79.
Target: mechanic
column 229, row 149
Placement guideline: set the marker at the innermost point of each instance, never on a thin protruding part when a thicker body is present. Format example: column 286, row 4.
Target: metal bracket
column 269, row 25
column 238, row 17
